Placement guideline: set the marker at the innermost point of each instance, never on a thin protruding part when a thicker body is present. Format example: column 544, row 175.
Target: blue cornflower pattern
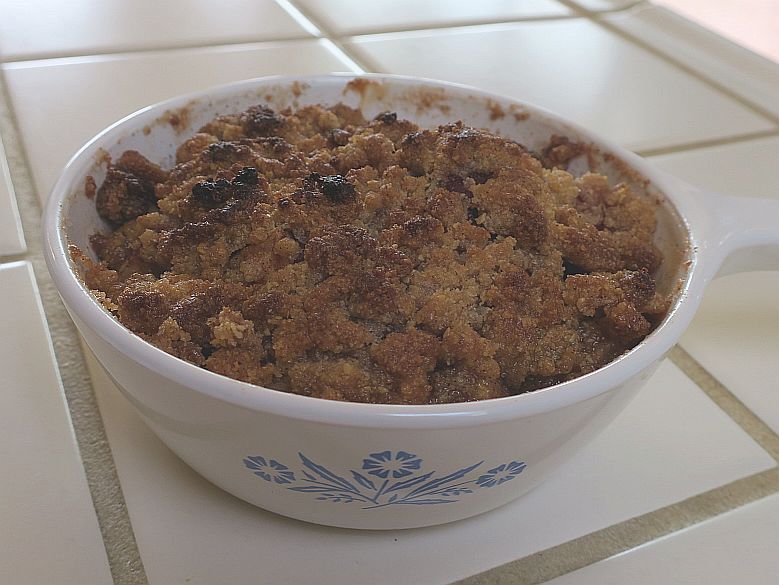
column 402, row 481
column 500, row 474
column 269, row 470
column 385, row 464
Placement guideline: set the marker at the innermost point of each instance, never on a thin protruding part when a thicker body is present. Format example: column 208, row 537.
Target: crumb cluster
column 314, row 252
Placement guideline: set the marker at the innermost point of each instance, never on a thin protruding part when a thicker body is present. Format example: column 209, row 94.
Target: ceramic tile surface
column 48, row 527
column 42, row 28
column 653, row 455
column 73, row 99
column 753, row 77
column 737, row 547
column 746, row 168
column 387, row 15
column 11, row 236
column 70, row 69
column 734, row 334
column 595, row 78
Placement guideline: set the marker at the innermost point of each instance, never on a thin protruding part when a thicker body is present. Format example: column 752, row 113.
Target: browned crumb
column 519, row 113
column 496, row 110
column 128, row 189
column 178, row 119
column 90, row 187
column 298, row 88
column 560, row 151
column 319, row 253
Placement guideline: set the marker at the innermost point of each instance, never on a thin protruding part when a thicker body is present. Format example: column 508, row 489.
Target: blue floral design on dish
column 269, row 471
column 382, row 464
column 500, row 474
column 397, row 479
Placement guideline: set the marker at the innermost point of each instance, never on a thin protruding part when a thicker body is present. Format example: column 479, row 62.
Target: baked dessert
column 315, row 252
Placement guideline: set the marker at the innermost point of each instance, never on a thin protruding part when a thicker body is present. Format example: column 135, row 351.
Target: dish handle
column 744, row 233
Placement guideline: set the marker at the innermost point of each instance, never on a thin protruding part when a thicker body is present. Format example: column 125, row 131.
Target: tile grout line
column 105, row 490
column 588, row 13
column 19, row 247
column 68, row 59
column 309, row 22
column 627, row 535
column 700, row 144
column 598, row 18
column 749, row 422
column 9, row 258
column 119, row 51
column 318, row 32
column 286, row 5
column 465, row 24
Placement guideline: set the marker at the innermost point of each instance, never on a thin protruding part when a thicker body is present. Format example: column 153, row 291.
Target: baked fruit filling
column 315, row 252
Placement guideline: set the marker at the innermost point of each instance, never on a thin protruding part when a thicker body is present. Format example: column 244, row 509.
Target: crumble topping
column 313, row 251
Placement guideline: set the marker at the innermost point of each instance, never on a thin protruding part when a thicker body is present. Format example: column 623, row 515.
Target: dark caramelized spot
column 211, row 193
column 338, row 137
column 247, row 176
column 387, row 117
column 571, row 269
column 261, row 121
column 215, row 193
column 480, row 177
column 412, row 138
column 277, row 145
column 454, row 183
column 193, row 312
column 223, row 151
column 336, row 188
column 124, row 196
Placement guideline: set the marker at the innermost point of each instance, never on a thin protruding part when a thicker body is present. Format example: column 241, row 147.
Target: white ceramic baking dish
column 389, row 466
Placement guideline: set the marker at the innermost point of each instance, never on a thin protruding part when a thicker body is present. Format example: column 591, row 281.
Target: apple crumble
column 315, row 252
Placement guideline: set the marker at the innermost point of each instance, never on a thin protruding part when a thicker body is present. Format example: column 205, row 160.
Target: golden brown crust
column 316, row 252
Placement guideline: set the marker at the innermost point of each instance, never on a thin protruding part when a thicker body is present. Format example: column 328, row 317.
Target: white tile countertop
column 681, row 488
